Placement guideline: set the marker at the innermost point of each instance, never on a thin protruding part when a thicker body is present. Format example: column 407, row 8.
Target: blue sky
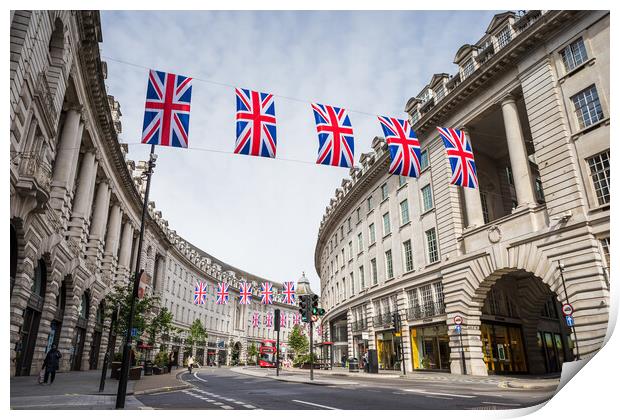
column 259, row 214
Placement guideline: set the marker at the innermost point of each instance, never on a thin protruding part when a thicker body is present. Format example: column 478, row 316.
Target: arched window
column 40, row 279
column 84, row 305
column 99, row 315
column 61, row 297
column 57, row 43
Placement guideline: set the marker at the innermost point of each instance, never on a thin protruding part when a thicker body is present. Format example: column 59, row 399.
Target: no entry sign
column 567, row 309
column 458, row 320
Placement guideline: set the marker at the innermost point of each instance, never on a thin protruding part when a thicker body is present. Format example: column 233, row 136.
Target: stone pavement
column 80, row 390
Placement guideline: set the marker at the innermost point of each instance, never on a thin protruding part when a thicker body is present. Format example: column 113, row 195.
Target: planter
column 157, row 370
column 115, row 371
column 135, row 373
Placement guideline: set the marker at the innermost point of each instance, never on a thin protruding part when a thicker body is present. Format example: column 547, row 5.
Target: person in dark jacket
column 51, row 364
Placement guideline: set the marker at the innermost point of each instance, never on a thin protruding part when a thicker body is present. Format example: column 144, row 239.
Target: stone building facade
column 75, row 209
column 533, row 98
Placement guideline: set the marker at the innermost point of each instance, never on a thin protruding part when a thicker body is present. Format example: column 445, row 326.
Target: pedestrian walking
column 170, row 359
column 51, row 364
column 365, row 361
column 190, row 363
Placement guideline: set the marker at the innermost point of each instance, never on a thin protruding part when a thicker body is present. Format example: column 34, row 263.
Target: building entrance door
column 28, row 338
column 77, row 348
column 502, row 348
column 93, row 357
column 552, row 350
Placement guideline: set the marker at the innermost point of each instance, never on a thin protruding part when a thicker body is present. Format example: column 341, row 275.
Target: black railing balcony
column 426, row 311
column 358, row 325
column 454, row 81
column 383, row 320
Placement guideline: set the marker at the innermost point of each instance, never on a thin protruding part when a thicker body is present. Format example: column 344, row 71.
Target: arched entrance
column 77, row 345
column 32, row 317
column 56, row 325
column 93, row 357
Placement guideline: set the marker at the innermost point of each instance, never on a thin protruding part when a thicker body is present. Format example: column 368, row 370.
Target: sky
column 262, row 215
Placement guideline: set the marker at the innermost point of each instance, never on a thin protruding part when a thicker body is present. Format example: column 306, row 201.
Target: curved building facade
column 533, row 97
column 75, row 209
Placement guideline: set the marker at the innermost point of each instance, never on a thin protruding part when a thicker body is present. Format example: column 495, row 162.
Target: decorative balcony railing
column 426, row 311
column 384, row 320
column 359, row 325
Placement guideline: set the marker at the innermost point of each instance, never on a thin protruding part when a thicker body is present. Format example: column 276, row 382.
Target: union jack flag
column 256, row 124
column 283, row 320
column 222, row 294
column 255, row 319
column 245, row 293
column 461, row 157
column 266, row 292
column 269, row 320
column 200, row 293
column 336, row 144
column 404, row 147
column 289, row 292
column 296, row 319
column 166, row 112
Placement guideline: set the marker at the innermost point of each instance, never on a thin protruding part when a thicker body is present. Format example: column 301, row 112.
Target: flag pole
column 122, row 383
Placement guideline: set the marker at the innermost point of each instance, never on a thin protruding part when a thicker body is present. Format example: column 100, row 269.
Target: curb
column 516, row 385
column 166, row 388
column 319, row 382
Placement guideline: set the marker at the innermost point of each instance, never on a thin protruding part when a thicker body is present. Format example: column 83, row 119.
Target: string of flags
column 266, row 293
column 167, row 115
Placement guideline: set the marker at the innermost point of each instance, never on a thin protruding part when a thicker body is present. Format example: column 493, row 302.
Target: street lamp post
column 561, row 268
column 122, row 384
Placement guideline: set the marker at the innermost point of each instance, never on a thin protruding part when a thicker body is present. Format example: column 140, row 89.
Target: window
column 408, row 255
column 384, row 192
column 358, row 212
column 485, row 207
column 341, row 233
column 427, row 198
column 360, row 242
column 337, row 260
column 599, row 172
column 401, row 180
column 369, row 203
column 431, row 244
column 440, row 92
column 352, row 284
column 350, row 250
column 387, row 228
column 438, row 287
column 605, row 246
column 373, row 270
column 362, row 283
column 415, row 117
column 468, row 67
column 427, row 299
column 574, row 54
column 342, row 253
column 389, row 268
column 404, row 212
column 587, row 107
column 349, row 224
column 424, row 159
column 371, row 234
column 504, row 37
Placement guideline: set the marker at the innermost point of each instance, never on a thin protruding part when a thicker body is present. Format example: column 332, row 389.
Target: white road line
column 422, row 391
column 227, row 407
column 439, row 398
column 200, row 379
column 239, row 402
column 248, row 406
column 499, row 403
column 218, row 403
column 314, row 404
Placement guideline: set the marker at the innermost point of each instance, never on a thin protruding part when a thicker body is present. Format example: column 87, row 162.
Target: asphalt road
column 223, row 389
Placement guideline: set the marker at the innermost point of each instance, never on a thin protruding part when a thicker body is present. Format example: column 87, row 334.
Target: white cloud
column 259, row 214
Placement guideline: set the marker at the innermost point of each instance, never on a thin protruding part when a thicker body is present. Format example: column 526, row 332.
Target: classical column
column 519, row 161
column 99, row 221
column 125, row 252
column 66, row 158
column 83, row 197
column 112, row 238
column 473, row 202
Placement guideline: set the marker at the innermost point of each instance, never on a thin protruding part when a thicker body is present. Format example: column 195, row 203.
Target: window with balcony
column 373, row 270
column 404, row 212
column 408, row 256
column 389, row 268
column 599, row 173
column 431, row 246
column 384, row 191
column 574, row 55
column 427, row 198
column 424, row 162
column 387, row 228
column 371, row 234
column 504, row 37
column 587, row 107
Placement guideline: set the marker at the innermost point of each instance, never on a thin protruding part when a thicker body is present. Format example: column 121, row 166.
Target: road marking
column 227, row 407
column 439, row 398
column 248, row 406
column 239, row 402
column 218, row 403
column 422, row 391
column 499, row 403
column 314, row 404
column 200, row 379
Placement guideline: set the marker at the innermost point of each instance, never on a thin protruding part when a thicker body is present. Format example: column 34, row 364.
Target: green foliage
column 120, row 298
column 252, row 353
column 304, row 359
column 298, row 341
column 161, row 359
column 118, row 357
column 196, row 333
column 159, row 324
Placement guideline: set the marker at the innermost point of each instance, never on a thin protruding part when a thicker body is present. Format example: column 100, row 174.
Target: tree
column 196, row 333
column 160, row 323
column 297, row 341
column 120, row 299
column 252, row 353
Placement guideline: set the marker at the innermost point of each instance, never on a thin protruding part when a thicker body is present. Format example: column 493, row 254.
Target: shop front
column 502, row 347
column 430, row 347
column 360, row 346
column 388, row 350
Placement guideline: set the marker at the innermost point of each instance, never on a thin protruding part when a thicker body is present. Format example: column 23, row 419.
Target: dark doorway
column 14, row 255
column 93, row 356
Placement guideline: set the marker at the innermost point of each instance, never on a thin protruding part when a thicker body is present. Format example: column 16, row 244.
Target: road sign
column 314, row 318
column 458, row 320
column 570, row 321
column 457, row 328
column 567, row 309
column 134, row 332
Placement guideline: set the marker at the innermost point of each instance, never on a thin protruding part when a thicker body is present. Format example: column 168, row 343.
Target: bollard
column 104, row 370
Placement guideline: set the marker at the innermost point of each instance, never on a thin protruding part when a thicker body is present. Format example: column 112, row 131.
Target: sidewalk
column 80, row 390
column 545, row 382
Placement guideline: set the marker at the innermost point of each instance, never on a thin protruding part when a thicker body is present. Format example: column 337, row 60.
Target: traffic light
column 304, row 308
column 396, row 320
column 315, row 304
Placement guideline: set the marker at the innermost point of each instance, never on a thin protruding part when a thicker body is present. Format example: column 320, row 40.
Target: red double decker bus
column 267, row 353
